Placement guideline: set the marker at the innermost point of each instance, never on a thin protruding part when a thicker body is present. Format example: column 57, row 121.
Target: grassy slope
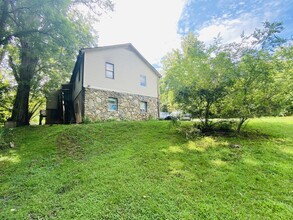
column 145, row 170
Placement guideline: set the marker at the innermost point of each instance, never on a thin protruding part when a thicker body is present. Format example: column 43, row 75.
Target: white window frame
column 109, row 70
column 110, row 106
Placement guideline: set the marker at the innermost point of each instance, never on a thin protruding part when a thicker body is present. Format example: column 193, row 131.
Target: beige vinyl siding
column 128, row 68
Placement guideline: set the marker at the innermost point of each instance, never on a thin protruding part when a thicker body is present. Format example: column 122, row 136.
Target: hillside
column 147, row 170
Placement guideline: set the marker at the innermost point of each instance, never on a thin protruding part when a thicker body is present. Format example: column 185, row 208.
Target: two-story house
column 110, row 82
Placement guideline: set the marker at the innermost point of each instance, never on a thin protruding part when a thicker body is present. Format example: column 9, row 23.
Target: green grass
column 147, row 170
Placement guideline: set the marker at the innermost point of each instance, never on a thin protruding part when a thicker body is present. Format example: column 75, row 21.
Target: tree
column 255, row 90
column 250, row 94
column 198, row 76
column 283, row 67
column 43, row 33
column 242, row 80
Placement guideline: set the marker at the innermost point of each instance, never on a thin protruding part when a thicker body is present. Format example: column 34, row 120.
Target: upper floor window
column 109, row 69
column 112, row 104
column 143, row 80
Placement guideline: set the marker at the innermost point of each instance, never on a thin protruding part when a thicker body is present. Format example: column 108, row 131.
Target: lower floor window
column 112, row 104
column 143, row 106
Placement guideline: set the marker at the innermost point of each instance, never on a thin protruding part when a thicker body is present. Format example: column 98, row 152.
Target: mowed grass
column 147, row 170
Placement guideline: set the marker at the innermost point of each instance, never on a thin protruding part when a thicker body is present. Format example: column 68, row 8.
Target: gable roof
column 127, row 46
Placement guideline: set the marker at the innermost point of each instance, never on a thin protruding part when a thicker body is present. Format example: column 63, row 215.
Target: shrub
column 218, row 126
column 188, row 131
column 224, row 126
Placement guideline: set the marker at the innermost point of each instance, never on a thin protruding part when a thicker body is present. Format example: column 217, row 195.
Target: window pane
column 112, row 104
column 109, row 74
column 110, row 67
column 142, row 80
column 143, row 106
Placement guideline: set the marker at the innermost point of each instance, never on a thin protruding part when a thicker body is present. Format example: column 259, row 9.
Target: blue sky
column 155, row 27
column 230, row 18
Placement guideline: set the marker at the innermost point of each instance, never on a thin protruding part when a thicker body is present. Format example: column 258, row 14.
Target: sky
column 155, row 27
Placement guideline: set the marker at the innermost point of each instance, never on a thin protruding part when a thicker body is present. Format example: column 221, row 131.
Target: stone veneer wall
column 96, row 106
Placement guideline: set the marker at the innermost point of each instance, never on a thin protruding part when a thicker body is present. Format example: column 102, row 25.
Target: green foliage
column 42, row 39
column 145, row 170
column 256, row 89
column 283, row 63
column 86, row 120
column 198, row 76
column 189, row 131
column 216, row 126
column 6, row 99
column 242, row 80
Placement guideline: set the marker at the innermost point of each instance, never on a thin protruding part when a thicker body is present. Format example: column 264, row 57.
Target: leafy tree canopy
column 41, row 39
column 241, row 80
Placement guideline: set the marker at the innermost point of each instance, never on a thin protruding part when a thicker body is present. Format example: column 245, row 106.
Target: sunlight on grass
column 176, row 164
column 219, row 162
column 175, row 149
column 250, row 161
column 193, row 146
column 176, row 168
column 207, row 142
column 204, row 144
column 286, row 150
column 12, row 158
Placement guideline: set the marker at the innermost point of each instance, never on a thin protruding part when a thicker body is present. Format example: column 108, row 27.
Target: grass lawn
column 147, row 170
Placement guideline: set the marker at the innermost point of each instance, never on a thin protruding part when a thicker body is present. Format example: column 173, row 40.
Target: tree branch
column 20, row 34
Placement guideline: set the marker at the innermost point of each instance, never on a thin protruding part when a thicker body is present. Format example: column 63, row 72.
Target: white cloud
column 230, row 30
column 151, row 26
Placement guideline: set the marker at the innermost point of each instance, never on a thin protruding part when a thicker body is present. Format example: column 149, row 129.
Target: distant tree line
column 246, row 79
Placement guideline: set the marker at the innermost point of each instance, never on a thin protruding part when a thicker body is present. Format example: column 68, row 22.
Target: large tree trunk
column 20, row 107
column 23, row 76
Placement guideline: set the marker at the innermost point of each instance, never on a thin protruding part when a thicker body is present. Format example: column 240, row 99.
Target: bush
column 188, row 131
column 224, row 126
column 218, row 126
column 204, row 128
